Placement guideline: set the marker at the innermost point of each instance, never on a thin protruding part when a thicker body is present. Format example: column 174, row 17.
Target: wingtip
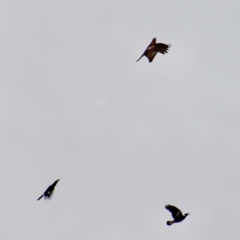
column 140, row 58
column 39, row 198
column 169, row 223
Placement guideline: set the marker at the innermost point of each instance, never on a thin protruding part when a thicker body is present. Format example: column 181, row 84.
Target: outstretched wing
column 141, row 57
column 174, row 210
column 162, row 48
column 54, row 184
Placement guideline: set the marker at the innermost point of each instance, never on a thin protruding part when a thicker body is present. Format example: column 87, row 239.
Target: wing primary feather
column 140, row 57
column 39, row 198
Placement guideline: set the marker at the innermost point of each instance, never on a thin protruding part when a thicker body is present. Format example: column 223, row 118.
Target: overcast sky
column 124, row 138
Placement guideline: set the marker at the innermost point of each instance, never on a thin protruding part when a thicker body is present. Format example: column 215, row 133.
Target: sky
column 125, row 138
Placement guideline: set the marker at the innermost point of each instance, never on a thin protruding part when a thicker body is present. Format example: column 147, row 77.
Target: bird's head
column 186, row 214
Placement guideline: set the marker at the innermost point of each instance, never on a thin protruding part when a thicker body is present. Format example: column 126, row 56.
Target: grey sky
column 124, row 138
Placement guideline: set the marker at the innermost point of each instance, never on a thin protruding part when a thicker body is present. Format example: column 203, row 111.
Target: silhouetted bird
column 48, row 193
column 176, row 214
column 153, row 49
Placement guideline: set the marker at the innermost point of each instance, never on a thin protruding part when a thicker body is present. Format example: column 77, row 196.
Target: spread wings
column 174, row 210
column 153, row 49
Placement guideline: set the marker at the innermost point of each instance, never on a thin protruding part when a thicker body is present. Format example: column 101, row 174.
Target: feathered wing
column 49, row 192
column 176, row 214
column 55, row 183
column 162, row 48
column 153, row 48
column 174, row 210
column 39, row 198
column 146, row 52
column 151, row 55
column 170, row 223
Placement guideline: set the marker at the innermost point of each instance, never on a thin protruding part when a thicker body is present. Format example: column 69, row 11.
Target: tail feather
column 170, row 223
column 40, row 197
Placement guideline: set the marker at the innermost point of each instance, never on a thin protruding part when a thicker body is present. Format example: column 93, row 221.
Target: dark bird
column 48, row 193
column 176, row 214
column 153, row 49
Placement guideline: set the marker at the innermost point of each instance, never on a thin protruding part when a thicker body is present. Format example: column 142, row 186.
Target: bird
column 48, row 193
column 176, row 214
column 153, row 49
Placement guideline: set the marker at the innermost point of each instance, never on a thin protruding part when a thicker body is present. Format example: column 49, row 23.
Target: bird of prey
column 48, row 193
column 176, row 214
column 154, row 48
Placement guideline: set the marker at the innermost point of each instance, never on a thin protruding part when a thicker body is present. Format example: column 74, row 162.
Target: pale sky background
column 124, row 138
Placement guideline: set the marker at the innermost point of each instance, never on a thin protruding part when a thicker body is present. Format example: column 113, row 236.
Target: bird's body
column 48, row 193
column 176, row 214
column 153, row 49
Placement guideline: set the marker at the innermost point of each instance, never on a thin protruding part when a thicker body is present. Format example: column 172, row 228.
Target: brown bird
column 153, row 49
column 48, row 193
column 176, row 214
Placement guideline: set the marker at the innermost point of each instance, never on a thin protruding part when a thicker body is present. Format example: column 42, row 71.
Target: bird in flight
column 176, row 214
column 153, row 49
column 48, row 193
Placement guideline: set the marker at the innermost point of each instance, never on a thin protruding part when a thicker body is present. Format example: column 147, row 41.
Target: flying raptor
column 153, row 49
column 48, row 193
column 176, row 214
